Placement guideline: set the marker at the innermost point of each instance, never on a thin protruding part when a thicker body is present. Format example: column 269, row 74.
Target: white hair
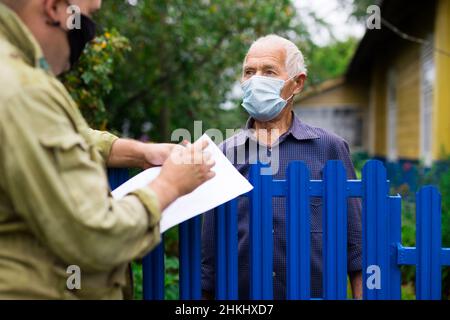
column 295, row 63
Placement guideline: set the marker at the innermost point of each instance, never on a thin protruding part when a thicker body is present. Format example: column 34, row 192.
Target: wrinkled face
column 264, row 60
column 268, row 60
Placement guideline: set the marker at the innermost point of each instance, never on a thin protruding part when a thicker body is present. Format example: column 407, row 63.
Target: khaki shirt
column 55, row 204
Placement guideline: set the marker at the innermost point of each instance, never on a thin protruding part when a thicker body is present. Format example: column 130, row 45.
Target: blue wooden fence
column 381, row 223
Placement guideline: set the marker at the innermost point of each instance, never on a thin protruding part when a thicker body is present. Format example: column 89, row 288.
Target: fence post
column 375, row 220
column 117, row 176
column 298, row 236
column 190, row 259
column 153, row 273
column 261, row 237
column 221, row 252
column 153, row 268
column 428, row 243
column 395, row 230
column 226, row 251
column 232, row 252
column 335, row 231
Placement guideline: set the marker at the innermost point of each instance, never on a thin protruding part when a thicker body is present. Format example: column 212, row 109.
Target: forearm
column 126, row 153
column 356, row 283
column 165, row 192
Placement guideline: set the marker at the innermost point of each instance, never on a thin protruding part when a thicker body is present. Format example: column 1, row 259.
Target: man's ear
column 299, row 83
column 55, row 12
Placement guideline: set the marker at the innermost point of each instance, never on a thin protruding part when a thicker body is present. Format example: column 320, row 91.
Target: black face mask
column 79, row 38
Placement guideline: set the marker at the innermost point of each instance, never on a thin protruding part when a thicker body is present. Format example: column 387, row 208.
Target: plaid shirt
column 315, row 147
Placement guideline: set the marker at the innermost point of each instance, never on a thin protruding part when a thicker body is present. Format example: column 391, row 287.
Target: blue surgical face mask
column 262, row 98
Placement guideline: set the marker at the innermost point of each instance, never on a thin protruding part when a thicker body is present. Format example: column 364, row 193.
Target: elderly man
column 273, row 74
column 56, row 211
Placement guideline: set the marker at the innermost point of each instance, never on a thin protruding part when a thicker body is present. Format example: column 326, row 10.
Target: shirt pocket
column 74, row 166
column 69, row 151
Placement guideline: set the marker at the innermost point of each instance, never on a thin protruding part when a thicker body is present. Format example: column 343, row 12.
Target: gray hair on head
column 295, row 63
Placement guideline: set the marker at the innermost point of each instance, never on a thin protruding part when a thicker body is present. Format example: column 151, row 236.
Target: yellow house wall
column 341, row 96
column 441, row 106
column 407, row 70
column 378, row 104
column 404, row 59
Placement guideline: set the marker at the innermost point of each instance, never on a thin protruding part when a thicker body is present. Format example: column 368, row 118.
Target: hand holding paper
column 182, row 172
column 227, row 184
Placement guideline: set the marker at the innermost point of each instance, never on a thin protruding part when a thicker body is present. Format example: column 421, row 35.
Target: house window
column 345, row 121
column 426, row 102
column 391, row 117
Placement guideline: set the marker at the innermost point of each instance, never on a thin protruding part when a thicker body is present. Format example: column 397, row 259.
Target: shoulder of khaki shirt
column 66, row 204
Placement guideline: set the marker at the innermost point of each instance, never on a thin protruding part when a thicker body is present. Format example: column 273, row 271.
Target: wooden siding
column 441, row 107
column 407, row 68
column 404, row 59
column 379, row 104
column 342, row 95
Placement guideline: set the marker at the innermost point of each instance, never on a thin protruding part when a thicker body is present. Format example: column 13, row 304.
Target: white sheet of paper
column 227, row 184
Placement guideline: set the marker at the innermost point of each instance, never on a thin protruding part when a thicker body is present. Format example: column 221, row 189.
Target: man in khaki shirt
column 56, row 209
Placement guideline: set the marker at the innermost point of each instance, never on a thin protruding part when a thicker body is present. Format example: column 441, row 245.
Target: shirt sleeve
column 354, row 226
column 62, row 194
column 103, row 141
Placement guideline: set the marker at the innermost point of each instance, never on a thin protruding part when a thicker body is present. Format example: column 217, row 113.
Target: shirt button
column 274, row 274
column 273, row 230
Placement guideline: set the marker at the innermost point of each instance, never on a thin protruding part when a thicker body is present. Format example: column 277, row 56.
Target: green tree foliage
column 185, row 58
column 91, row 81
column 358, row 8
column 444, row 188
column 329, row 61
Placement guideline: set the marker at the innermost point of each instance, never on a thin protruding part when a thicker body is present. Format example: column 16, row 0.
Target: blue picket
column 428, row 241
column 153, row 274
column 375, row 222
column 190, row 259
column 226, row 251
column 221, row 274
column 335, row 232
column 116, row 177
column 298, row 238
column 184, row 261
column 261, row 238
column 395, row 237
column 232, row 249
